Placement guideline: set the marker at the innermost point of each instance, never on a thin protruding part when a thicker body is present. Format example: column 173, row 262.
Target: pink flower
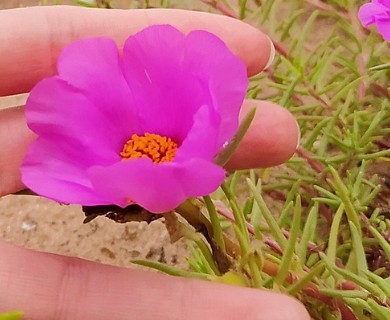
column 377, row 11
column 143, row 128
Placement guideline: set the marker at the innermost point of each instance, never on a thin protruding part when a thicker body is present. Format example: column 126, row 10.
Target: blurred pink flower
column 377, row 11
column 143, row 128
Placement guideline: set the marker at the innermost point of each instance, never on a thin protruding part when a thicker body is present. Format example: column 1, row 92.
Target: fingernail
column 299, row 135
column 271, row 54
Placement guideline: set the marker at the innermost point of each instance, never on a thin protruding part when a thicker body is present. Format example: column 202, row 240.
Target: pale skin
column 48, row 286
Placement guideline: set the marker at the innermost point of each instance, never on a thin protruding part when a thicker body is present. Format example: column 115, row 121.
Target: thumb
column 48, row 286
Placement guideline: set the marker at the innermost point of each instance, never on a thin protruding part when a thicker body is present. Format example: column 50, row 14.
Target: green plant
column 314, row 228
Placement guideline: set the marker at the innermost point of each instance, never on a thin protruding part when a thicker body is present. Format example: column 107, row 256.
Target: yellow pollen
column 158, row 148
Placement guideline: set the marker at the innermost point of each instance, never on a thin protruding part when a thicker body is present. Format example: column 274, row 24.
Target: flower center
column 158, row 148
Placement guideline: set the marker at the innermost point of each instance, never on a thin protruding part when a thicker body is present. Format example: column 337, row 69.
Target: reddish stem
column 228, row 215
column 313, row 163
column 326, row 7
column 217, row 5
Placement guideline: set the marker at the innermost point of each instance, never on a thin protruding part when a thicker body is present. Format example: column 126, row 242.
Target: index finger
column 32, row 38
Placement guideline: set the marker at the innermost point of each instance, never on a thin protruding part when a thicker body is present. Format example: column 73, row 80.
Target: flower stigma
column 158, row 148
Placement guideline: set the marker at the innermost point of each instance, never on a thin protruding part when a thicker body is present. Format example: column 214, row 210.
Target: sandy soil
column 41, row 224
column 44, row 225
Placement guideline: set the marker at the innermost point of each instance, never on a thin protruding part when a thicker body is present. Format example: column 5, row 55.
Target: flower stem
column 218, row 235
column 168, row 270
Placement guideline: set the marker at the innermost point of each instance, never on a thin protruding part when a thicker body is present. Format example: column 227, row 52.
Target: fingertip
column 247, row 42
column 271, row 140
column 250, row 44
column 15, row 138
column 230, row 302
column 261, row 54
column 271, row 54
column 282, row 307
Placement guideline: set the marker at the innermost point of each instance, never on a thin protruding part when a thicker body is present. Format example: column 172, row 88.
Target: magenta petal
column 187, row 88
column 384, row 28
column 202, row 139
column 386, row 3
column 94, row 67
column 166, row 93
column 52, row 172
column 370, row 13
column 367, row 13
column 59, row 112
column 157, row 188
column 175, row 75
column 223, row 73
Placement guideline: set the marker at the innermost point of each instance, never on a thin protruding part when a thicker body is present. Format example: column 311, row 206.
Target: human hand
column 55, row 287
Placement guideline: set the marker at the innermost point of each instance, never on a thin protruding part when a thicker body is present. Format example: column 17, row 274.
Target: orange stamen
column 158, row 148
